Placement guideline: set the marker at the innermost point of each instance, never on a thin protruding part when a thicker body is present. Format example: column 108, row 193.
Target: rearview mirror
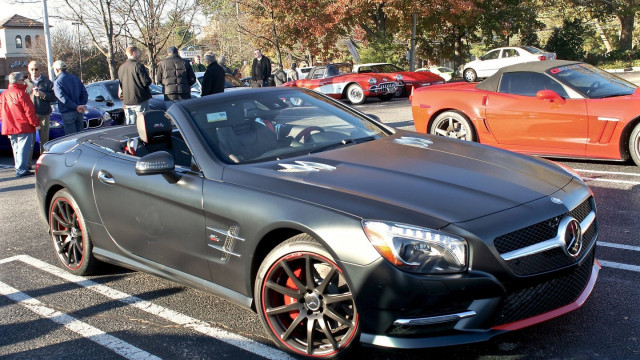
column 551, row 96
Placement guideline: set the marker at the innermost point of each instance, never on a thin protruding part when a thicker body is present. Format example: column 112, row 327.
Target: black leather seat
column 154, row 129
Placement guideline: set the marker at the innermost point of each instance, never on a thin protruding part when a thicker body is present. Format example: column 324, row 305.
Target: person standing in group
column 293, row 74
column 213, row 80
column 175, row 76
column 280, row 77
column 72, row 98
column 197, row 66
column 260, row 70
column 19, row 122
column 40, row 89
column 227, row 70
column 134, row 86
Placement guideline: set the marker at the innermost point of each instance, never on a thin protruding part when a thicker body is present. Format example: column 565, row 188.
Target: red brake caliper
column 288, row 299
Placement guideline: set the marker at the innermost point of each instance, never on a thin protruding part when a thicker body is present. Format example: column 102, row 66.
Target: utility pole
column 47, row 39
column 77, row 24
column 412, row 53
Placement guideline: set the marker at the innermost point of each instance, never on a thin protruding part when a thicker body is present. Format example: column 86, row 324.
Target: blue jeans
column 132, row 111
column 73, row 122
column 22, row 145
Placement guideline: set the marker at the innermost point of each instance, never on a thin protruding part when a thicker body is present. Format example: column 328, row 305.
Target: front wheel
column 470, row 75
column 70, row 236
column 634, row 145
column 355, row 95
column 304, row 301
column 454, row 125
column 385, row 97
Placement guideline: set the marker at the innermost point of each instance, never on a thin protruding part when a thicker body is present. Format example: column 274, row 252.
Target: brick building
column 17, row 35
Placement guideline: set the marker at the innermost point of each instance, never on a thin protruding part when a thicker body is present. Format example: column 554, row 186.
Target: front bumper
column 382, row 89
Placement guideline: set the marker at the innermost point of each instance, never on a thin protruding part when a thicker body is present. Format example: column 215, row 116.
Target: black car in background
column 335, row 228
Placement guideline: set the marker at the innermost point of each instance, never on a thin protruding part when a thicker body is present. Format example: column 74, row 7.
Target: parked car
column 303, row 72
column 407, row 80
column 339, row 82
column 230, row 82
column 335, row 228
column 94, row 118
column 442, row 71
column 489, row 63
column 104, row 95
column 550, row 108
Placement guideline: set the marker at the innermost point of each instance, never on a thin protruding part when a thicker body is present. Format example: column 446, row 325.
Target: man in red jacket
column 19, row 122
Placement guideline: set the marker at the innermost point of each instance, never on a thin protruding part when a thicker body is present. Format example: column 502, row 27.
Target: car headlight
column 399, row 77
column 55, row 125
column 416, row 249
column 373, row 81
column 106, row 116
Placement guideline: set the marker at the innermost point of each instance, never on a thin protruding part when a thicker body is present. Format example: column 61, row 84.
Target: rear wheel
column 454, row 125
column 634, row 144
column 69, row 234
column 304, row 300
column 355, row 95
column 470, row 75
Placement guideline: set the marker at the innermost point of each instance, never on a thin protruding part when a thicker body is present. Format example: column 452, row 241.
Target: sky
column 32, row 9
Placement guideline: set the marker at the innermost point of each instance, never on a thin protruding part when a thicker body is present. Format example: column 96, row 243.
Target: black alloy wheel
column 304, row 300
column 69, row 234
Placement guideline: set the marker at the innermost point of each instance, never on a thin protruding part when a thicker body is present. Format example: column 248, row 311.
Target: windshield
column 155, row 89
column 386, row 68
column 112, row 88
column 273, row 125
column 591, row 81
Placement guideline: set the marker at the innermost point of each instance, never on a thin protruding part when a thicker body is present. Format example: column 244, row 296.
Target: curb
column 629, row 69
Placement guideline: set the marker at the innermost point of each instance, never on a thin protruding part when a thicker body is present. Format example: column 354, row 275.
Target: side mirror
column 99, row 98
column 551, row 96
column 109, row 103
column 159, row 162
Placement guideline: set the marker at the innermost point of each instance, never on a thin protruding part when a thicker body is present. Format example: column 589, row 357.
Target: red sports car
column 550, row 108
column 410, row 79
column 337, row 81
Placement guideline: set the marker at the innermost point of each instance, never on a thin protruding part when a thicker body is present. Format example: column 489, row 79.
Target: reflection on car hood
column 445, row 179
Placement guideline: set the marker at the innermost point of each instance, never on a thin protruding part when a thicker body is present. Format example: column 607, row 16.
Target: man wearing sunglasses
column 40, row 90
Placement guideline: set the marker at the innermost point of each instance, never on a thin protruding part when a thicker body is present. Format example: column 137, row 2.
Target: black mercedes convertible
column 333, row 227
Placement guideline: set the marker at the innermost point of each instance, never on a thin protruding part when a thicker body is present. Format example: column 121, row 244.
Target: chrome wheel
column 470, row 75
column 634, row 145
column 454, row 125
column 306, row 303
column 68, row 232
column 355, row 95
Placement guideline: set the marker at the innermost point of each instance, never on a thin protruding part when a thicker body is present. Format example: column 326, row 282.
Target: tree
column 567, row 42
column 103, row 24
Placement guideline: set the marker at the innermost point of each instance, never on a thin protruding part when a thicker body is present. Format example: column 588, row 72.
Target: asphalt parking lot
column 46, row 313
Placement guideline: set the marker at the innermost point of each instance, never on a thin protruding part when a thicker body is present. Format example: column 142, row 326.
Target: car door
column 490, row 63
column 151, row 218
column 521, row 121
column 510, row 57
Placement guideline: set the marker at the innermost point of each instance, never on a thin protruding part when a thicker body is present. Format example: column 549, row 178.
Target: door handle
column 105, row 177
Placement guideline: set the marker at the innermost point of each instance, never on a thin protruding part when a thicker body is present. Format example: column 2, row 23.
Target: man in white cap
column 19, row 122
column 72, row 98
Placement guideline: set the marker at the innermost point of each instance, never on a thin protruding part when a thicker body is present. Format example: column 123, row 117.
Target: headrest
column 154, row 127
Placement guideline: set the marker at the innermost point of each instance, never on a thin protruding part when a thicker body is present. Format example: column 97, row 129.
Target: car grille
column 548, row 260
column 388, row 87
column 544, row 297
column 117, row 116
column 95, row 122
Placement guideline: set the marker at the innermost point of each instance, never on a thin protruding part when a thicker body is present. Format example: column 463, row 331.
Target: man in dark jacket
column 227, row 70
column 213, row 80
column 260, row 69
column 134, row 85
column 72, row 98
column 19, row 122
column 40, row 89
column 176, row 77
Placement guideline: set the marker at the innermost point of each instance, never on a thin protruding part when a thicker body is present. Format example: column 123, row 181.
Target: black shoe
column 26, row 173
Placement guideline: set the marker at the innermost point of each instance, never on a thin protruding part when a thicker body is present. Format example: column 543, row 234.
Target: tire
column 386, row 97
column 400, row 91
column 355, row 95
column 634, row 145
column 287, row 301
column 70, row 236
column 454, row 125
column 470, row 75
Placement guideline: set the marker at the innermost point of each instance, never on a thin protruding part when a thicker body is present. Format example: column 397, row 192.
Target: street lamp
column 77, row 24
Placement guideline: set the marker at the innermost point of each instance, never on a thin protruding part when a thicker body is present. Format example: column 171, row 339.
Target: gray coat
column 43, row 102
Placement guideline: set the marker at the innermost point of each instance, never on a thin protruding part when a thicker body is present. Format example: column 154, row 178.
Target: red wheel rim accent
column 67, row 233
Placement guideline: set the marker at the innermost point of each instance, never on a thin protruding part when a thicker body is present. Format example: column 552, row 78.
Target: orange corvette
column 550, row 108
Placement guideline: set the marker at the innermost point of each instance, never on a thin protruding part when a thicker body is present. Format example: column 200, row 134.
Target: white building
column 18, row 35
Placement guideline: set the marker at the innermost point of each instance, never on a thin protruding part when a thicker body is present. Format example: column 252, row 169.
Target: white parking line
column 5, row 167
column 619, row 246
column 619, row 266
column 612, row 181
column 96, row 335
column 156, row 310
column 606, row 172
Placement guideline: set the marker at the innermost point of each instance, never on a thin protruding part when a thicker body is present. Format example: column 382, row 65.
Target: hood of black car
column 449, row 180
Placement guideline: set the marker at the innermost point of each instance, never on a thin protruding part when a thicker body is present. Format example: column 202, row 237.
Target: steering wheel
column 306, row 133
